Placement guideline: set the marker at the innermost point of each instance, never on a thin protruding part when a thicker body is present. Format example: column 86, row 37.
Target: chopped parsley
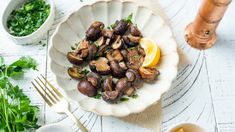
column 109, row 27
column 98, row 96
column 97, row 55
column 74, row 47
column 102, row 79
column 96, row 44
column 43, row 45
column 129, row 18
column 134, row 96
column 28, row 17
column 85, row 71
column 123, row 99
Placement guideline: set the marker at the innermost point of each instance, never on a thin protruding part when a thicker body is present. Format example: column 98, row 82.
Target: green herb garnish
column 72, row 47
column 43, row 45
column 75, row 46
column 98, row 96
column 28, row 18
column 97, row 55
column 131, row 48
column 109, row 27
column 134, row 96
column 123, row 99
column 85, row 72
column 129, row 18
column 102, row 79
column 16, row 112
column 96, row 44
column 16, row 69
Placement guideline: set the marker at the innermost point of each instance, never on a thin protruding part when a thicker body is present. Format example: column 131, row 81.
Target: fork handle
column 78, row 123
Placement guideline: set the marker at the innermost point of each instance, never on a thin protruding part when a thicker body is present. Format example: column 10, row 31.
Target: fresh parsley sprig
column 129, row 18
column 16, row 112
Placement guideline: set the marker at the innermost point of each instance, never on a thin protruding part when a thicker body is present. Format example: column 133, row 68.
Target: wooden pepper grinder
column 201, row 34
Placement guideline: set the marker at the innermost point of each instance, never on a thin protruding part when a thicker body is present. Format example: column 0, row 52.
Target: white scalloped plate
column 73, row 30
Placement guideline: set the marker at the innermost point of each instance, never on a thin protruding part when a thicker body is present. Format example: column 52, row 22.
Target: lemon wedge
column 152, row 52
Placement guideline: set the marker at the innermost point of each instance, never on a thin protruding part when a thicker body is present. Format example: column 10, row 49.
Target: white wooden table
column 203, row 92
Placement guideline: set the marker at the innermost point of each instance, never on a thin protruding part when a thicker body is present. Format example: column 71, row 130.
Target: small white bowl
column 56, row 127
column 187, row 127
column 36, row 35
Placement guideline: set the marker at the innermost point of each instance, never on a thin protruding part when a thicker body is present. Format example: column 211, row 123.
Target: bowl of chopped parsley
column 27, row 21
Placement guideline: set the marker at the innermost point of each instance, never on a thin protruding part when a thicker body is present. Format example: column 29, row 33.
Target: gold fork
column 55, row 99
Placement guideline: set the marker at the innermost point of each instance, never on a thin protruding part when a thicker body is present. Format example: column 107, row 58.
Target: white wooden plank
column 220, row 65
column 221, row 73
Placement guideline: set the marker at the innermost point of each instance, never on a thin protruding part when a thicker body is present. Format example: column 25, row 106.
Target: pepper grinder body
column 201, row 34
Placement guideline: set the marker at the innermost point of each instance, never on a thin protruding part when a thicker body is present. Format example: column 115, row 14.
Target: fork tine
column 54, row 89
column 47, row 101
column 52, row 93
column 53, row 101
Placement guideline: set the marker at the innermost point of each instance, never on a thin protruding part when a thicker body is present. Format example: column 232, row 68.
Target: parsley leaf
column 72, row 48
column 109, row 27
column 43, row 45
column 25, row 62
column 98, row 96
column 123, row 99
column 97, row 55
column 85, row 71
column 134, row 96
column 129, row 18
column 16, row 69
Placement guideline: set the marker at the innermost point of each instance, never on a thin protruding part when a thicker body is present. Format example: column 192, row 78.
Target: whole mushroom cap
column 86, row 88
